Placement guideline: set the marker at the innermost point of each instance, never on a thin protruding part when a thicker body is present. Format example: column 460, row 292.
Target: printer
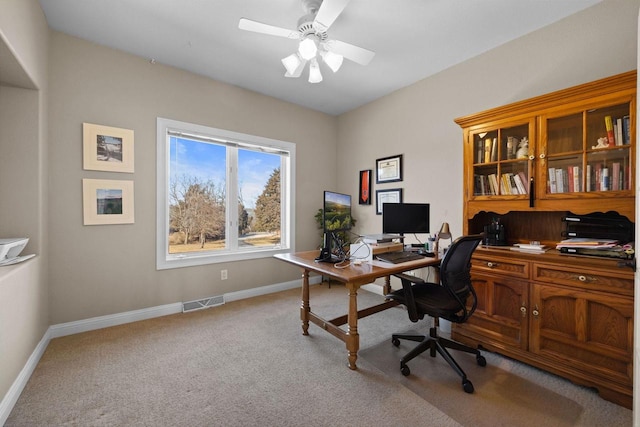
column 11, row 248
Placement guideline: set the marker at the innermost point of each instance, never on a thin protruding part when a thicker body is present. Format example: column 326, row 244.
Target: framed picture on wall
column 107, row 201
column 364, row 197
column 389, row 169
column 393, row 195
column 107, row 148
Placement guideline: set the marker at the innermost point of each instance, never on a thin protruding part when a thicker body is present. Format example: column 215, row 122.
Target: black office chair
column 448, row 300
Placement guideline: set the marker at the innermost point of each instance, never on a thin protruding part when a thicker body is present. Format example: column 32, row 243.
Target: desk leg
column 304, row 308
column 353, row 339
column 387, row 285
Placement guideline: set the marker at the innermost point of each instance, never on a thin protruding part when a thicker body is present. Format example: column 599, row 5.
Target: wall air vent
column 202, row 303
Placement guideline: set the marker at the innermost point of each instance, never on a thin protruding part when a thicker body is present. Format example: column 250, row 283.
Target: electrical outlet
column 223, row 274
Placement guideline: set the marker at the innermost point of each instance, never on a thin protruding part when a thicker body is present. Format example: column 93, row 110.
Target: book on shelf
column 520, row 185
column 588, row 177
column 553, row 187
column 626, row 132
column 487, row 150
column 615, row 176
column 618, row 129
column 608, row 123
column 494, row 150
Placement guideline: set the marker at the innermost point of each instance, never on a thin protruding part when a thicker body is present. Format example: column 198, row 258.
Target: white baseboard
column 70, row 328
column 10, row 399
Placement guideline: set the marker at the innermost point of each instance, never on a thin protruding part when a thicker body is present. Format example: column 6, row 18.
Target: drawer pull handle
column 492, row 264
column 585, row 279
column 523, row 310
column 535, row 311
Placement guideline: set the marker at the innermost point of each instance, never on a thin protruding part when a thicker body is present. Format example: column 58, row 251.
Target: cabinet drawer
column 512, row 267
column 601, row 280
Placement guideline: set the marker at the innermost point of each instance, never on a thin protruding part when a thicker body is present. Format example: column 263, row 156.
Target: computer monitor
column 336, row 217
column 403, row 218
column 336, row 211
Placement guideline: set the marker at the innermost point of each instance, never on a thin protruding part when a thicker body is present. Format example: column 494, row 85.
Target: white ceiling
column 413, row 39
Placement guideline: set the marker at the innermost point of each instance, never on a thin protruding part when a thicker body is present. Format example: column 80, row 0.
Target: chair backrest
column 455, row 274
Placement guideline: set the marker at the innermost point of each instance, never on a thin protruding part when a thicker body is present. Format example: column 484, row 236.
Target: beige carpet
column 246, row 363
column 519, row 402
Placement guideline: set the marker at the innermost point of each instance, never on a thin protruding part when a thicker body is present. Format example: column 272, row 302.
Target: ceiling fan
column 314, row 43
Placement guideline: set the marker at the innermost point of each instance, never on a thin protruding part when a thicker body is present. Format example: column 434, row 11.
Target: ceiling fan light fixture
column 333, row 60
column 291, row 63
column 308, row 48
column 315, row 76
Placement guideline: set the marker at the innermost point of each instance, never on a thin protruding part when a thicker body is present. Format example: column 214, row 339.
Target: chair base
column 435, row 343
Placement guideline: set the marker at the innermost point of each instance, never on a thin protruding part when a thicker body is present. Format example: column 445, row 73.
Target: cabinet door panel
column 499, row 316
column 587, row 331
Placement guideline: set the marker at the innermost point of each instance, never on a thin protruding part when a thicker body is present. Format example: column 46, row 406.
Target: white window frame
column 165, row 260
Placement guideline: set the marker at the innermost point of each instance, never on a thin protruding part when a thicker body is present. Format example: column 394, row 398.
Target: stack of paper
column 534, row 248
column 583, row 242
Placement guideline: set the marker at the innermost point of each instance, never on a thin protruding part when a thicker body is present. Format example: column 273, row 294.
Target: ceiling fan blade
column 356, row 54
column 328, row 12
column 259, row 27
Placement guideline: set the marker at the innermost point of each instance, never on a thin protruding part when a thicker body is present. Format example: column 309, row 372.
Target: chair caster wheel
column 395, row 341
column 404, row 369
column 467, row 386
column 481, row 360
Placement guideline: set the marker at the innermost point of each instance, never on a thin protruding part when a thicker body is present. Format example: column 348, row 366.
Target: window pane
column 197, row 206
column 259, row 207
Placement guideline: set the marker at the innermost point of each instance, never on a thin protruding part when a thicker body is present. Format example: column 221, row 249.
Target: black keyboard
column 398, row 257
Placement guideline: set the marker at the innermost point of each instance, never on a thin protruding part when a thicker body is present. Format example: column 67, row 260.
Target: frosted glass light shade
column 333, row 60
column 307, row 48
column 291, row 63
column 315, row 76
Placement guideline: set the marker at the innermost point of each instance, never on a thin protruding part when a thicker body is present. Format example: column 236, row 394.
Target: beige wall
column 417, row 121
column 24, row 309
column 101, row 270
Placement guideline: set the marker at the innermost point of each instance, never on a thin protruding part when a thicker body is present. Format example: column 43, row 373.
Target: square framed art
column 107, row 148
column 107, row 201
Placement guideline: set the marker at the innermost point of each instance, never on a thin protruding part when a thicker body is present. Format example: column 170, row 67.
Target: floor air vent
column 202, row 303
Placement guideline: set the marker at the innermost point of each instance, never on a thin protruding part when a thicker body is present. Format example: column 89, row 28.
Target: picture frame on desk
column 392, row 195
column 389, row 169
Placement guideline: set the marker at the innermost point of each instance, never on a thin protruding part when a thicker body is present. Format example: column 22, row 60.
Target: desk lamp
column 444, row 233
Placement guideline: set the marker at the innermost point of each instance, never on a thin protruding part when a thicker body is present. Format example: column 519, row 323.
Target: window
column 222, row 196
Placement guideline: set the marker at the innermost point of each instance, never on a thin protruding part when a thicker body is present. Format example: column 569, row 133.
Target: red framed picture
column 364, row 196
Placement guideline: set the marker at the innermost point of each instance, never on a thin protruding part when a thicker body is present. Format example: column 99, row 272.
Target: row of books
column 487, row 150
column 618, row 131
column 599, row 177
column 508, row 183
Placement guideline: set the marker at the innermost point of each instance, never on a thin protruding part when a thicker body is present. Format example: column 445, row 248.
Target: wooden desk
column 353, row 277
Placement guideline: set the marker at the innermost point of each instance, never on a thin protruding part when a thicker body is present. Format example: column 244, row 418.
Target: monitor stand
column 325, row 252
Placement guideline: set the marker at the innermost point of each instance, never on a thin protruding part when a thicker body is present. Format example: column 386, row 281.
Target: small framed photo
column 389, row 169
column 393, row 195
column 107, row 148
column 364, row 197
column 107, row 201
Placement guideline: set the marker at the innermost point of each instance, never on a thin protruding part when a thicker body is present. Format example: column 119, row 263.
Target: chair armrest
column 409, row 299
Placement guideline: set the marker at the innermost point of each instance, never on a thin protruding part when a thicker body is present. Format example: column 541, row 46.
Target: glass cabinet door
column 586, row 151
column 501, row 161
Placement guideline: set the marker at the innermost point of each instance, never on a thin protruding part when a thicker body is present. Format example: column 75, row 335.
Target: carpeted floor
column 247, row 363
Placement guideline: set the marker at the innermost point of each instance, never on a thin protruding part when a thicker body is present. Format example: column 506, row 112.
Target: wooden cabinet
column 543, row 154
column 569, row 315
